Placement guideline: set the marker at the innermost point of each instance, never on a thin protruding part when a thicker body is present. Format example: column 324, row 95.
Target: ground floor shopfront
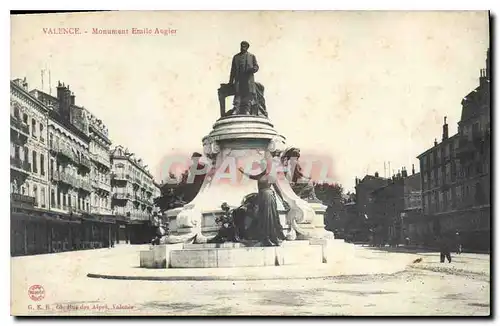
column 470, row 227
column 39, row 232
column 141, row 231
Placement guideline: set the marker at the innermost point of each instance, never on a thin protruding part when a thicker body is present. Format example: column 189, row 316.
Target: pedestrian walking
column 444, row 250
column 458, row 243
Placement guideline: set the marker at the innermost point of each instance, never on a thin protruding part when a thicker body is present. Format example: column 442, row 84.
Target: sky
column 363, row 88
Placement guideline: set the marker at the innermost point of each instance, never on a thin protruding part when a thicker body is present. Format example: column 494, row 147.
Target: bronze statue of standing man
column 243, row 68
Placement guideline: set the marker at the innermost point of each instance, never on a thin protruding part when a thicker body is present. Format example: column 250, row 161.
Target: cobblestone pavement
column 426, row 288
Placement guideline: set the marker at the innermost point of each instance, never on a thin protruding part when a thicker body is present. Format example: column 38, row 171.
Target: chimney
column 412, row 169
column 445, row 130
column 376, row 174
column 72, row 98
column 63, row 98
column 25, row 84
column 488, row 64
column 484, row 73
column 435, row 142
column 404, row 173
column 18, row 82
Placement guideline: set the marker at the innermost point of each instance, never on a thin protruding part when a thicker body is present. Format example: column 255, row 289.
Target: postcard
column 221, row 163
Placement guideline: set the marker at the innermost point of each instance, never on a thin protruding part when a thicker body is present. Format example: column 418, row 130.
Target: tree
column 332, row 195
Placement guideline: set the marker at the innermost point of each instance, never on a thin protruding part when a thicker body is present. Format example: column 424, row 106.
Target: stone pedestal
column 211, row 255
column 158, row 256
column 237, row 140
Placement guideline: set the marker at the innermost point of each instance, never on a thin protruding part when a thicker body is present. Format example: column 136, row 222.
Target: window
column 25, row 118
column 33, row 127
column 17, row 113
column 52, row 198
column 35, row 194
column 26, row 155
column 42, row 139
column 475, row 127
column 16, row 152
column 34, row 166
column 42, row 164
column 51, row 140
column 42, row 197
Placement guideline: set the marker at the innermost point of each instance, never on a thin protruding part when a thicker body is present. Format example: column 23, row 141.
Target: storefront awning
column 41, row 216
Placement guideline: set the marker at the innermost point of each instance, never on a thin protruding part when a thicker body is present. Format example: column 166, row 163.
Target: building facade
column 360, row 229
column 29, row 182
column 134, row 191
column 456, row 173
column 60, row 181
column 100, row 174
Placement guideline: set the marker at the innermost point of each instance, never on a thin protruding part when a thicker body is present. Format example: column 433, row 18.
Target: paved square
column 427, row 288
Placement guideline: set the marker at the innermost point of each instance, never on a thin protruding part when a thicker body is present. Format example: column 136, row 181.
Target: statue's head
column 291, row 152
column 224, row 207
column 244, row 45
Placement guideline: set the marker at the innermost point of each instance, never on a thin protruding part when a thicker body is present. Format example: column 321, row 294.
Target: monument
column 239, row 207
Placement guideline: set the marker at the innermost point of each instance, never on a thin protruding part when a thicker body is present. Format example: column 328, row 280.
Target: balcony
column 19, row 126
column 104, row 186
column 68, row 179
column 84, row 185
column 101, row 160
column 121, row 195
column 121, row 213
column 23, row 199
column 104, row 161
column 20, row 165
column 139, row 215
column 120, row 176
column 85, row 162
column 54, row 175
column 65, row 151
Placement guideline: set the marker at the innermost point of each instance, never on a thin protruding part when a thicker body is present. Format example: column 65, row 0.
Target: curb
column 230, row 278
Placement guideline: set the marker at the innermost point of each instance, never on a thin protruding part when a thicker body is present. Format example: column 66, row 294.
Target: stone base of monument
column 211, row 255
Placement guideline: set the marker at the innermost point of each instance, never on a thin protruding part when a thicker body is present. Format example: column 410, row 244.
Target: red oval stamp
column 36, row 292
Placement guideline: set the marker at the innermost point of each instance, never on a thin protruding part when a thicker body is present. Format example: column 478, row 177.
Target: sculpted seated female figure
column 269, row 231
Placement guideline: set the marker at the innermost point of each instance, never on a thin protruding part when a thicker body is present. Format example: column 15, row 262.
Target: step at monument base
column 211, row 255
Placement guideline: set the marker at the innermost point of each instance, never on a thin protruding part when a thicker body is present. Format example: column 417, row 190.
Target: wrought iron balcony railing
column 20, row 126
column 120, row 176
column 23, row 199
column 20, row 164
column 121, row 195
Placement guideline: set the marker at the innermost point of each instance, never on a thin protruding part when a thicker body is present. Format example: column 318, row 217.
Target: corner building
column 456, row 173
